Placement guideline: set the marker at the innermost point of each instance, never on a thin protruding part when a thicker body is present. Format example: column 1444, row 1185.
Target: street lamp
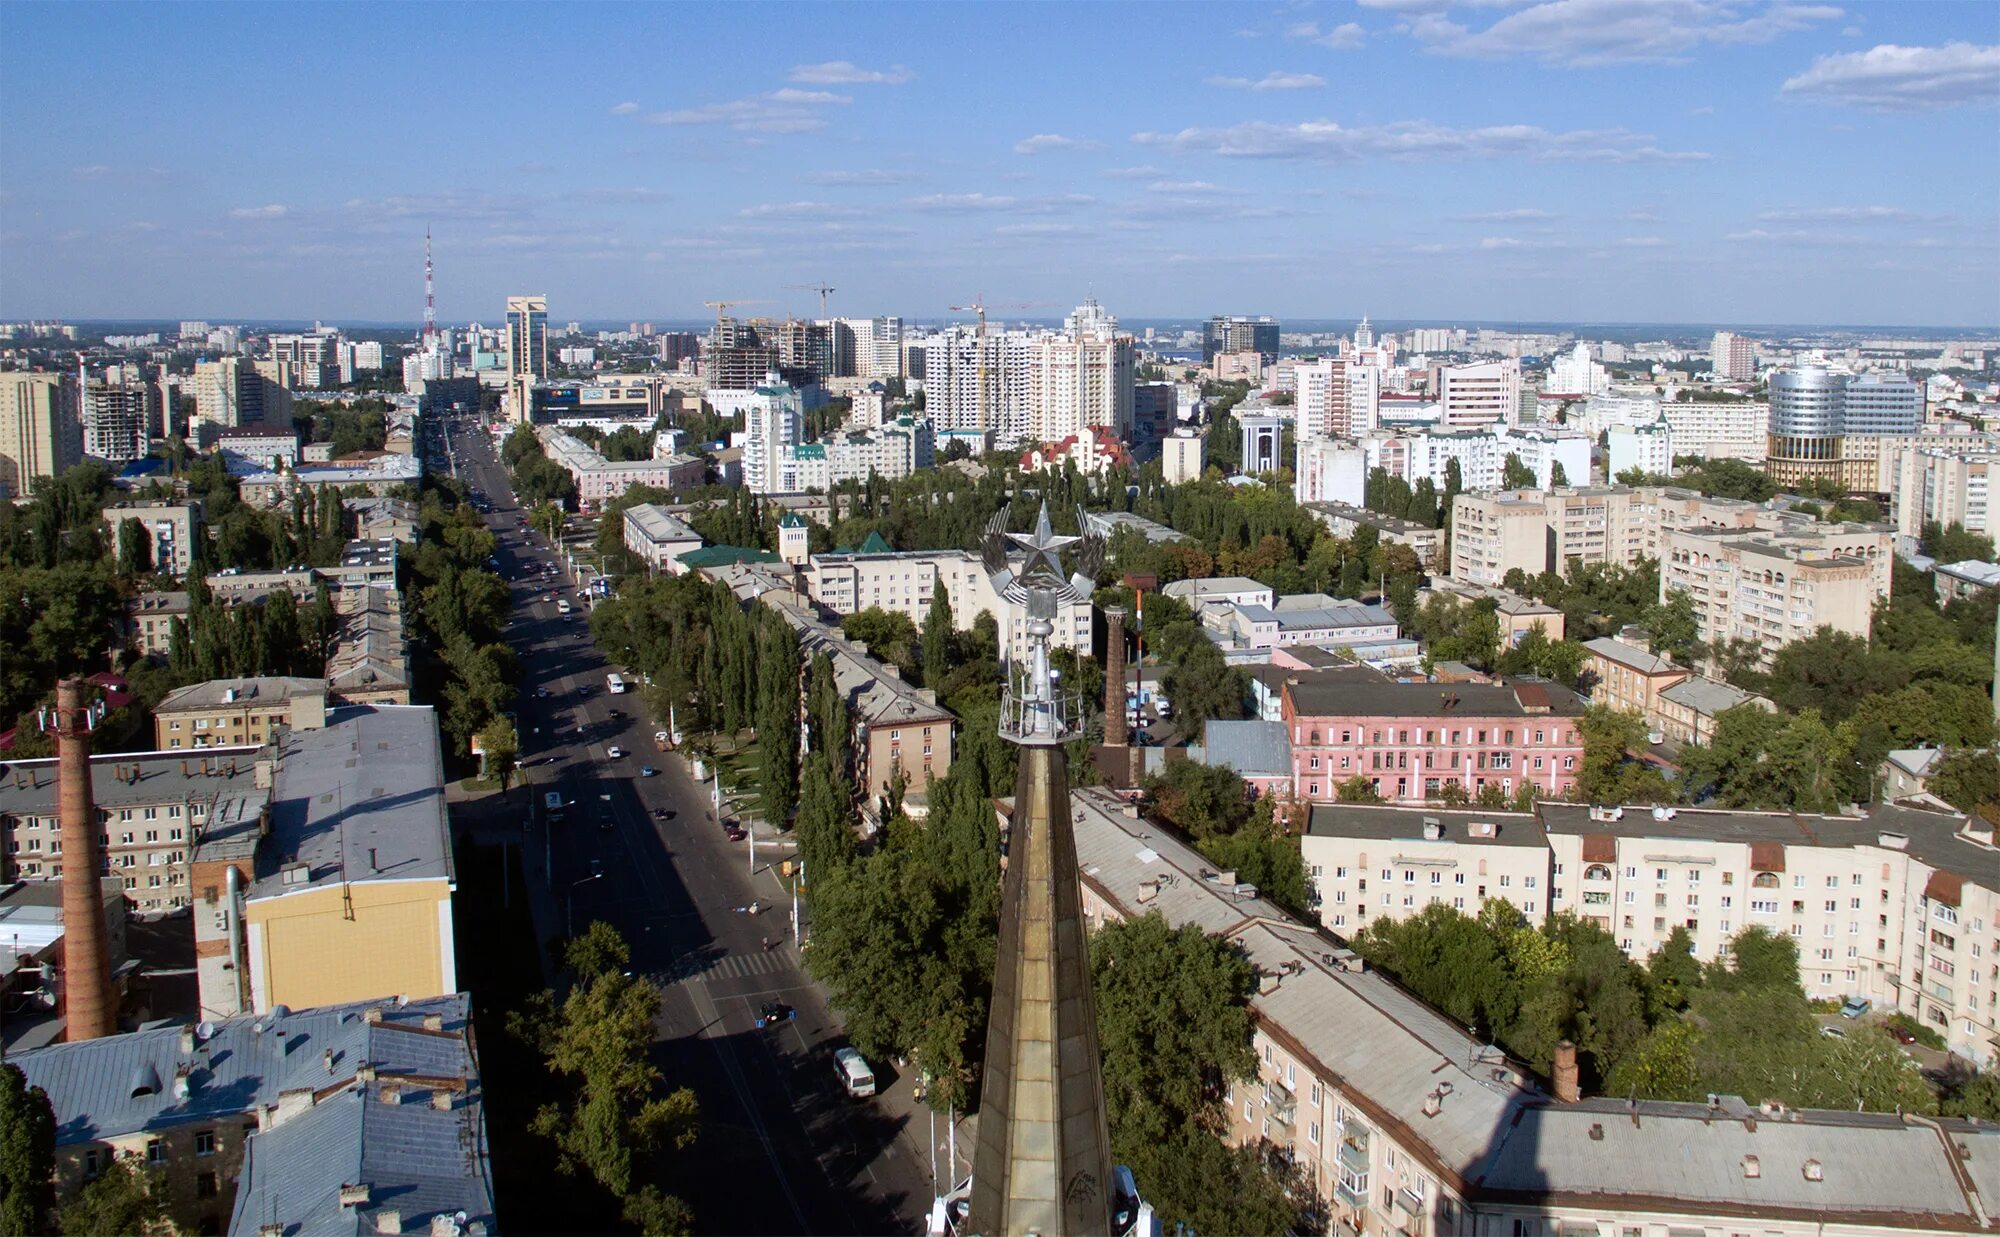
column 569, row 903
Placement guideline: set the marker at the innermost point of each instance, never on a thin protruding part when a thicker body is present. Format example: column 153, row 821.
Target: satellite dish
column 205, row 1031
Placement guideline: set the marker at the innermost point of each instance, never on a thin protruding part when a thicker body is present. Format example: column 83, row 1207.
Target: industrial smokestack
column 1116, row 731
column 88, row 1008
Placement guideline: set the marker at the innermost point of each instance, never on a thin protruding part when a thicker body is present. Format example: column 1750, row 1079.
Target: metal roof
column 1248, row 747
column 1406, row 824
column 1341, row 694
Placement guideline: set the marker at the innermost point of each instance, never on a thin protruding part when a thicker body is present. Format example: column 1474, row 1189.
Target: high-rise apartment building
column 1943, row 479
column 772, row 420
column 313, row 358
column 1829, row 426
column 527, row 349
column 235, row 392
column 737, row 356
column 1023, row 387
column 1320, row 403
column 40, row 434
column 1223, row 335
column 118, row 420
column 1772, row 588
column 1478, row 395
column 1732, row 357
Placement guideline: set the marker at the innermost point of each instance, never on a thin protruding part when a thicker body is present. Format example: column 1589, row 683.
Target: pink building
column 1410, row 739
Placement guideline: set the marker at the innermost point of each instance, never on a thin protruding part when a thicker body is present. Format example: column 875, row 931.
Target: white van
column 854, row 1073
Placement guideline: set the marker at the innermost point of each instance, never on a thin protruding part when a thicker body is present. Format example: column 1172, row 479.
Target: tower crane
column 823, row 289
column 978, row 306
column 721, row 308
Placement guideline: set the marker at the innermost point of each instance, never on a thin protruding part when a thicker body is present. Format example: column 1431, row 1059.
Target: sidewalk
column 494, row 819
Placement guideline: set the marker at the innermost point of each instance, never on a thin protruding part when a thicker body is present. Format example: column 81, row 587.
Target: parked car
column 772, row 1012
column 1832, row 1032
column 1855, row 1007
column 733, row 833
column 1901, row 1034
column 615, row 752
column 647, row 771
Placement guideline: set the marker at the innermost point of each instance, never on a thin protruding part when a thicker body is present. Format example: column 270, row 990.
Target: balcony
column 1353, row 1151
column 1352, row 1190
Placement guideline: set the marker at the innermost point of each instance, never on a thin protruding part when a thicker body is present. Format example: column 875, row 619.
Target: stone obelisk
column 1042, row 1161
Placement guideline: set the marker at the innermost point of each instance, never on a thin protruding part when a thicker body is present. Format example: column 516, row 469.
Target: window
column 204, row 1185
column 156, row 1151
column 204, row 1142
column 1312, row 1132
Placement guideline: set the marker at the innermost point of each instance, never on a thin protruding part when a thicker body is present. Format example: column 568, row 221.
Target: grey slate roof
column 1249, row 747
column 28, row 787
column 417, row 1160
column 247, row 1062
column 213, row 694
column 1406, row 824
column 1642, row 660
column 1707, row 696
column 1366, row 694
column 371, row 781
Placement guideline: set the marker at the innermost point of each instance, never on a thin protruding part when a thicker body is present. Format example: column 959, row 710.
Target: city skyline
column 1668, row 161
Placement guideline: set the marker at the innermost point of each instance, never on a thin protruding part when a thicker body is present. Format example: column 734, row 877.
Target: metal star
column 1044, row 548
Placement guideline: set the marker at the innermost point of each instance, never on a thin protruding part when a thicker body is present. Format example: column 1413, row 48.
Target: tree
column 1967, row 779
column 499, row 746
column 1199, row 680
column 1358, row 789
column 1674, row 971
column 600, row 1035
column 1557, row 476
column 27, row 1153
column 1514, row 475
column 135, row 553
column 938, row 634
column 128, row 1197
column 1201, row 800
column 1672, row 628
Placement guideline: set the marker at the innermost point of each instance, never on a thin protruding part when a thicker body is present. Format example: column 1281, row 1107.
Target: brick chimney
column 1568, row 1085
column 1116, row 730
column 89, row 1010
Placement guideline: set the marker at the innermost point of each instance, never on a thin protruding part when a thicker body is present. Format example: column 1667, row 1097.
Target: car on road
column 665, row 813
column 648, row 771
column 596, row 868
column 772, row 1012
column 852, row 1070
column 615, row 752
column 1901, row 1034
column 1832, row 1032
column 733, row 833
column 541, row 693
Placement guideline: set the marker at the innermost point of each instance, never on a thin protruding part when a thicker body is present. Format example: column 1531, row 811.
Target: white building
column 1648, row 448
column 1180, row 456
column 1732, row 357
column 772, row 416
column 1577, row 373
column 1734, row 431
column 1474, row 396
column 1041, row 386
column 1330, row 471
column 876, row 577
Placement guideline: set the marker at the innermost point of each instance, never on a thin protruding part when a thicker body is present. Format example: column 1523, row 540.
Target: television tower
column 430, row 339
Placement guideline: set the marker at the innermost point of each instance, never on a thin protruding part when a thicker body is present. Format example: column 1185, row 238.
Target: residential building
column 1956, row 581
column 1686, row 712
column 1181, row 457
column 1405, row 1122
column 149, row 621
column 772, row 416
column 527, row 342
column 382, row 519
column 599, row 480
column 236, row 712
column 1031, row 386
column 900, row 732
column 1222, row 591
column 1629, row 678
column 1776, row 587
column 1734, row 430
column 1345, row 519
column 234, row 393
column 172, row 529
column 1409, row 739
column 1391, row 863
column 1479, row 395
column 346, row 886
column 40, row 433
column 1320, row 401
column 378, row 474
column 736, row 356
column 1577, row 373
column 1259, row 752
column 1907, row 772
column 370, row 660
column 873, row 576
column 256, row 448
column 1536, row 531
column 1518, row 615
column 1732, row 357
column 154, row 806
column 1223, row 335
column 119, row 420
column 1940, row 479
column 356, row 1118
column 1330, row 470
column 1649, row 448
column 659, row 537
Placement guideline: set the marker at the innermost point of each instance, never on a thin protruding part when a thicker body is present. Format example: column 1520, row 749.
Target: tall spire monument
column 1042, row 1160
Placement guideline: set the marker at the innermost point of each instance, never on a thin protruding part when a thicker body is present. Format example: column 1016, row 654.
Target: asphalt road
column 782, row 1148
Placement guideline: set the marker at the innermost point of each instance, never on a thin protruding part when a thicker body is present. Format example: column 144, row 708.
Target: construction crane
column 823, row 289
column 722, row 308
column 978, row 306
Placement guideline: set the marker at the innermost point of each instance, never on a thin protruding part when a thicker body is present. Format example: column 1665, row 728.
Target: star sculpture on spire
column 1042, row 571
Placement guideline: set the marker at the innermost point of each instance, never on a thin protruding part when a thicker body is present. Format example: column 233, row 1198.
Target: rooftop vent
column 1433, row 829
column 1597, row 1131
column 1815, row 1171
column 354, row 1195
column 1752, row 1169
column 1893, row 841
column 1483, row 829
column 145, row 1080
column 295, row 874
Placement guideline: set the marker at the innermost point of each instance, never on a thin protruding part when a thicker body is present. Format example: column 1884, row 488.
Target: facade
column 771, row 426
column 1407, row 1124
column 234, row 393
column 1957, row 581
column 1734, row 431
column 154, row 806
column 1390, row 863
column 1815, row 413
column 658, row 536
column 847, row 582
column 1941, row 479
column 40, row 434
column 1330, row 470
column 149, row 621
column 1409, row 739
column 1479, row 395
column 1648, row 448
column 254, row 449
column 1732, row 357
column 343, row 891
column 527, row 345
column 172, row 530
column 236, row 712
column 1223, row 334
column 1181, row 457
column 119, row 419
column 1774, row 588
column 599, row 480
column 1262, row 448
column 250, row 1118
column 1629, row 678
column 1686, row 711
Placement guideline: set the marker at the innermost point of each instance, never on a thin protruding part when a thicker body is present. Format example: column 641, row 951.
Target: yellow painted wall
column 314, row 955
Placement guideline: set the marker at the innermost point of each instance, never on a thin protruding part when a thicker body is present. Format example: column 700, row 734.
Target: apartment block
column 172, row 531
column 1479, row 395
column 1773, row 588
column 153, row 806
column 1518, row 615
column 235, row 712
column 119, row 419
column 1377, row 862
column 1629, row 678
column 1181, row 457
column 1407, row 1124
column 40, row 433
column 149, row 621
column 1941, row 479
column 1719, row 431
column 659, row 536
column 1344, row 520
column 874, row 576
column 1409, row 739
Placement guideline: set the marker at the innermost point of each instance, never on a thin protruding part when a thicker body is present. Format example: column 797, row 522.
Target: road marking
column 711, row 1018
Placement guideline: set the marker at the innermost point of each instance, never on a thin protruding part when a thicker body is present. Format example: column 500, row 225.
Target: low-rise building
column 378, row 473
column 1687, row 711
column 382, row 519
column 1629, row 678
column 1259, row 752
column 1406, row 1123
column 1344, row 520
column 236, row 712
column 171, row 528
column 251, row 449
column 873, row 576
column 149, row 621
column 1108, row 524
column 1221, row 591
column 1907, row 772
column 1518, row 615
column 1409, row 739
column 1391, row 863
column 1306, row 618
column 355, row 1118
column 659, row 537
column 1957, row 581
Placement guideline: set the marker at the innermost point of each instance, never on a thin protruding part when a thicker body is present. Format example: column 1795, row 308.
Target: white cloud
column 1344, row 37
column 1840, row 214
column 624, row 109
column 780, row 111
column 1414, row 141
column 847, row 73
column 1794, row 236
column 1040, row 142
column 1889, row 78
column 842, row 178
column 1140, row 172
column 273, row 211
column 1518, row 214
column 1500, row 242
column 1189, row 186
column 1274, row 80
column 968, row 203
column 799, row 210
column 1642, row 242
column 1040, row 229
column 1599, row 32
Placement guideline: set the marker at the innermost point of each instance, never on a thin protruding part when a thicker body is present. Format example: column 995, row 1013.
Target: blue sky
column 1578, row 160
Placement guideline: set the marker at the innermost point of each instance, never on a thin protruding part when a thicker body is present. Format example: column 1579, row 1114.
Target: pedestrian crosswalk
column 729, row 966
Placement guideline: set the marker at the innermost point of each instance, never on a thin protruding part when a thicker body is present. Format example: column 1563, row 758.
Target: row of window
column 1431, row 738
